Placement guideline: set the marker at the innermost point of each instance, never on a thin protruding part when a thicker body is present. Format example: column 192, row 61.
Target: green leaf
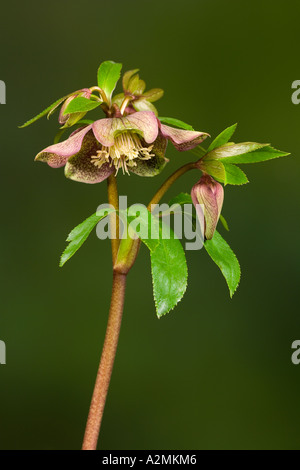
column 144, row 105
column 80, row 233
column 81, row 105
column 234, row 175
column 127, row 77
column 214, row 168
column 153, row 95
column 176, row 123
column 224, row 222
column 221, row 253
column 227, row 151
column 109, row 73
column 50, row 108
column 222, row 138
column 169, row 274
column 148, row 227
column 259, row 155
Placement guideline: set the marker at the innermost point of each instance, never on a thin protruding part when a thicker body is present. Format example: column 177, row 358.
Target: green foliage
column 81, row 105
column 48, row 110
column 176, row 123
column 222, row 138
column 260, row 155
column 153, row 95
column 234, row 175
column 221, row 253
column 80, row 233
column 169, row 274
column 109, row 73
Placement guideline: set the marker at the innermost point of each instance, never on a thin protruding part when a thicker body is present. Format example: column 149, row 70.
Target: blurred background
column 215, row 373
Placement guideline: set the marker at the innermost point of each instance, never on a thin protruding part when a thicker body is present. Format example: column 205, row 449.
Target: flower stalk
column 106, row 363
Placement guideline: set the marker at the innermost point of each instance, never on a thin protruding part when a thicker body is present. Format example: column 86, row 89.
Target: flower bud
column 67, row 120
column 210, row 194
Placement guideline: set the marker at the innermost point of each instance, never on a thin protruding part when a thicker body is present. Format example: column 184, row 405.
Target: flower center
column 124, row 153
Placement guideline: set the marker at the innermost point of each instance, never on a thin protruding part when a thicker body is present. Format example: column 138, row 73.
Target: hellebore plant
column 131, row 138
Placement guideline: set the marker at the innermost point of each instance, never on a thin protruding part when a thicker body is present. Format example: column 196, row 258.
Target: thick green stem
column 106, row 363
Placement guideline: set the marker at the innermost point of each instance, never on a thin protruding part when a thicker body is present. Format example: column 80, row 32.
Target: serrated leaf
column 169, row 274
column 260, row 155
column 109, row 73
column 81, row 105
column 50, row 108
column 222, row 138
column 80, row 233
column 234, row 175
column 221, row 253
column 227, row 152
column 143, row 224
column 176, row 123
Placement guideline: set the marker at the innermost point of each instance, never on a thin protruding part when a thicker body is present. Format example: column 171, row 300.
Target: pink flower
column 135, row 143
column 210, row 194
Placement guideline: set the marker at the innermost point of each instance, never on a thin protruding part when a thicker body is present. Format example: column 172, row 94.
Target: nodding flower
column 135, row 143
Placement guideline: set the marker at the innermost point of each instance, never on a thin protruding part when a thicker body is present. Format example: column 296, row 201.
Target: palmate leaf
column 48, row 110
column 80, row 233
column 108, row 75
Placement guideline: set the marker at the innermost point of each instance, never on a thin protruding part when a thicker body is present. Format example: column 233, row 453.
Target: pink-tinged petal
column 80, row 167
column 144, row 123
column 57, row 155
column 210, row 194
column 155, row 164
column 104, row 131
column 182, row 139
column 147, row 123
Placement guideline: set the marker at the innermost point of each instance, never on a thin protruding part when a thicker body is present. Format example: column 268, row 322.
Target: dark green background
column 215, row 373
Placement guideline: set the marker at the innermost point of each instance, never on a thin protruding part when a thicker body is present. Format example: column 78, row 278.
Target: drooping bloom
column 135, row 143
column 209, row 194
